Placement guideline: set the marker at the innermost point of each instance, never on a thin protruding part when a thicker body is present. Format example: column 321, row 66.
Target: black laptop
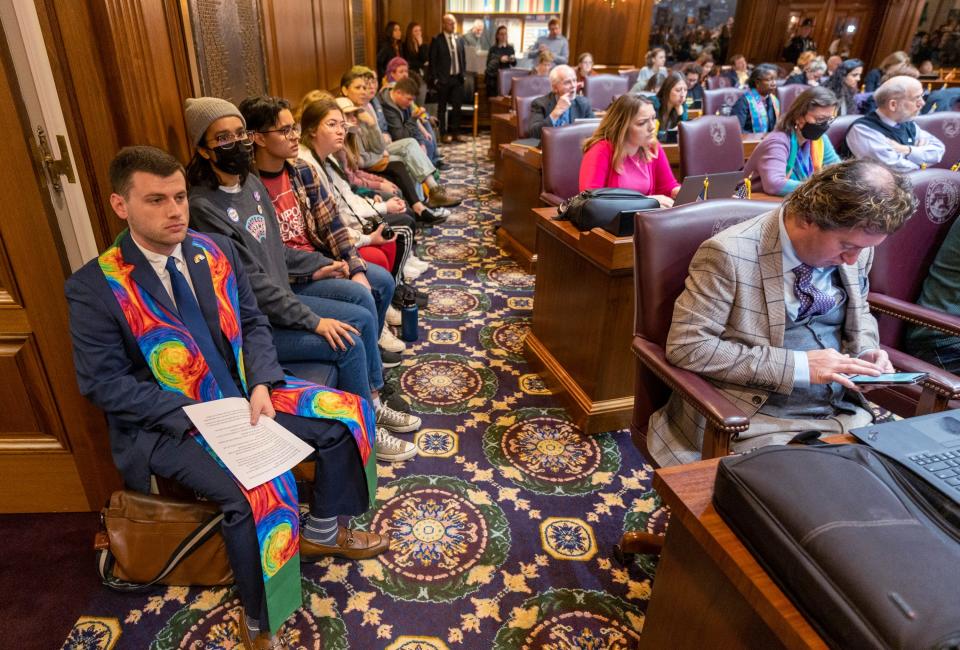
column 722, row 185
column 928, row 444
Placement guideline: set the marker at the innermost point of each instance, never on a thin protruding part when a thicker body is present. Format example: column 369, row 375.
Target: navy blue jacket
column 113, row 374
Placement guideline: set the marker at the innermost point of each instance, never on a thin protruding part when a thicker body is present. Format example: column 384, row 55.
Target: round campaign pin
column 260, row 209
column 233, row 214
column 256, row 195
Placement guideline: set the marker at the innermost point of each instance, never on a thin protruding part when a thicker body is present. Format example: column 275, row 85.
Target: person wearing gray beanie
column 201, row 112
column 221, row 141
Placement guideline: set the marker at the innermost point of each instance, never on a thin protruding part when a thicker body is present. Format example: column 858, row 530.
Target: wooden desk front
column 709, row 591
column 503, row 130
column 583, row 321
column 518, row 224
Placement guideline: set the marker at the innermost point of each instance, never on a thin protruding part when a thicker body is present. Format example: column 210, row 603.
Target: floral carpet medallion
column 551, row 454
column 568, row 619
column 502, row 528
column 504, row 337
column 446, row 383
column 441, row 530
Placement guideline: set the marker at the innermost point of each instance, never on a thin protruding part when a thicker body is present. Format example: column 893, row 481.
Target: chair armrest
column 939, row 380
column 911, row 313
column 694, row 389
column 550, row 198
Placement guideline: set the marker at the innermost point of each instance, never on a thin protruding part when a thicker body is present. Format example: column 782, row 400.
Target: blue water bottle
column 409, row 321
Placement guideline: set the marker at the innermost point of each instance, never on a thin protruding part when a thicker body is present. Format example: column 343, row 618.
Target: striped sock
column 321, row 530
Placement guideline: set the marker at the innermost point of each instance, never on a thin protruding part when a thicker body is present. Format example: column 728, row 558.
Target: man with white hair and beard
column 561, row 106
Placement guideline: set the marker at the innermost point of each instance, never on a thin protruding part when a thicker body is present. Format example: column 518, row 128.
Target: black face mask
column 236, row 159
column 814, row 131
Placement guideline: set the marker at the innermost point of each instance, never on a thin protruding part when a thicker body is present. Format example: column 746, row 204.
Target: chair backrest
column 600, row 89
column 521, row 106
column 902, row 261
column 631, row 76
column 945, row 126
column 710, row 144
column 838, row 130
column 717, row 81
column 664, row 242
column 720, row 100
column 530, row 85
column 788, row 94
column 505, row 78
column 562, row 153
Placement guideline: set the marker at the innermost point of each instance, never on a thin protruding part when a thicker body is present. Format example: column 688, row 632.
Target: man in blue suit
column 561, row 106
column 149, row 431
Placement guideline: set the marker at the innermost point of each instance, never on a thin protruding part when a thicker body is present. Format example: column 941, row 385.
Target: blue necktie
column 193, row 318
column 813, row 302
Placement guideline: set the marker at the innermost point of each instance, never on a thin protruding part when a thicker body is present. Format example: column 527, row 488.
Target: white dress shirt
column 159, row 264
column 865, row 142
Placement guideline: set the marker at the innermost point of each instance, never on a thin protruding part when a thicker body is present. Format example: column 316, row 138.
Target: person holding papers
column 165, row 318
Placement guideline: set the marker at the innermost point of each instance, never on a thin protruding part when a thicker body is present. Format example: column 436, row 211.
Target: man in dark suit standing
column 152, row 295
column 448, row 60
column 561, row 106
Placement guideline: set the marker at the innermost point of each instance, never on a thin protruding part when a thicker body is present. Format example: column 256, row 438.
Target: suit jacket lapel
column 771, row 271
column 199, row 268
column 850, row 280
column 144, row 275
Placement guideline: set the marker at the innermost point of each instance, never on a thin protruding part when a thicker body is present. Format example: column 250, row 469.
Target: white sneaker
column 391, row 449
column 390, row 342
column 417, row 263
column 410, row 272
column 394, row 317
column 396, row 421
column 441, row 212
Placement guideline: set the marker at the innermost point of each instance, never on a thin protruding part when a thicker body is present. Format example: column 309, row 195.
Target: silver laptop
column 928, row 444
column 722, row 186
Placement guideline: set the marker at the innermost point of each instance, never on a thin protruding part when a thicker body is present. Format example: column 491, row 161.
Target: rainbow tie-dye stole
column 177, row 365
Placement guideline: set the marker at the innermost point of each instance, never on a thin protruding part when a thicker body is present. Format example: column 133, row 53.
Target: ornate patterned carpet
column 501, row 530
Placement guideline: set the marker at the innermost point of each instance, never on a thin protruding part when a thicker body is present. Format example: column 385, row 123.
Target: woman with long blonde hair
column 624, row 152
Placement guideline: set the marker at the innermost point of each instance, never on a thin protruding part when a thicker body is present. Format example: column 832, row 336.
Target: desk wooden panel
column 583, row 321
column 503, row 130
column 708, row 586
column 521, row 194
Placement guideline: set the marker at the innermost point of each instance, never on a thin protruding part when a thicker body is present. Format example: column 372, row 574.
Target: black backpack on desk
column 610, row 208
column 866, row 550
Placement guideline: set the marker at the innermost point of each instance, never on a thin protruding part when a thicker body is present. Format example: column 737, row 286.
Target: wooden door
column 54, row 452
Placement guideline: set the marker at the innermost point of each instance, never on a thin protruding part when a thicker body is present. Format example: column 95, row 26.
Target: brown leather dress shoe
column 446, row 138
column 351, row 544
column 441, row 198
column 262, row 641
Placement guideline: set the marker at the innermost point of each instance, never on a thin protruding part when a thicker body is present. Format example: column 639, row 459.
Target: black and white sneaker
column 390, row 359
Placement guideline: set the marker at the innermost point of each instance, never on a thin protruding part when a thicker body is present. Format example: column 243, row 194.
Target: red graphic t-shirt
column 287, row 206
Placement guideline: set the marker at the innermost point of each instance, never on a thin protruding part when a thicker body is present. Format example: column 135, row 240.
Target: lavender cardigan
column 767, row 166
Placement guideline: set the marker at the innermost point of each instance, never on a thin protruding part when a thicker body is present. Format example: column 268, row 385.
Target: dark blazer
column 416, row 61
column 439, row 59
column 741, row 110
column 113, row 374
column 541, row 107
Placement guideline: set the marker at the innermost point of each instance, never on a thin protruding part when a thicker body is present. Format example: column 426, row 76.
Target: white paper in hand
column 255, row 454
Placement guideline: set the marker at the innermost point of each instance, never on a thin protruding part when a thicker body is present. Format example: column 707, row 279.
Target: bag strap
column 191, row 543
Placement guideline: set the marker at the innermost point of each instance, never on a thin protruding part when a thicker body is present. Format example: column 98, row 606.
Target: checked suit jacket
column 728, row 326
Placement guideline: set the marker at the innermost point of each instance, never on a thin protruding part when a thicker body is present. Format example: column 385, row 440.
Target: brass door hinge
column 55, row 167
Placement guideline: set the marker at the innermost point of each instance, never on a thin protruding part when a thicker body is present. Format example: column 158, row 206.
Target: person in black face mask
column 797, row 147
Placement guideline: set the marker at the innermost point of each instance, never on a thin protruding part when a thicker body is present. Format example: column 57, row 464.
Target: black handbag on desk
column 866, row 550
column 610, row 208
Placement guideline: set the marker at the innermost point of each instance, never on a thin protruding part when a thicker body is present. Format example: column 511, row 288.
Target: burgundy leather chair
column 562, row 148
column 944, row 125
column 600, row 89
column 900, row 266
column 710, row 144
column 838, row 130
column 788, row 94
column 717, row 81
column 521, row 106
column 530, row 85
column 719, row 102
column 505, row 77
column 631, row 76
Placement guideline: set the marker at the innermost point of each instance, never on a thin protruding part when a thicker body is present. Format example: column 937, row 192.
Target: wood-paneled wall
column 615, row 35
column 429, row 13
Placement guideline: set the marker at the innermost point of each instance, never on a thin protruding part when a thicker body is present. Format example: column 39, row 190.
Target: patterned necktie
column 454, row 59
column 813, row 302
column 192, row 317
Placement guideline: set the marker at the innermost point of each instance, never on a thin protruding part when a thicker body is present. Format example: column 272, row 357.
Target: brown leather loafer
column 351, row 544
column 446, row 139
column 261, row 642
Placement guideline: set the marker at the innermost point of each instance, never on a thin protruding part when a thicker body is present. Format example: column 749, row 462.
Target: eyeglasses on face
column 228, row 140
column 286, row 131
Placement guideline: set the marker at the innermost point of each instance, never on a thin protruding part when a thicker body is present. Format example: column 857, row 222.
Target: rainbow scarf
column 802, row 162
column 759, row 121
column 178, row 366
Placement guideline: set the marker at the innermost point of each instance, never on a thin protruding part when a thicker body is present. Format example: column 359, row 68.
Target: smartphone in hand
column 889, row 378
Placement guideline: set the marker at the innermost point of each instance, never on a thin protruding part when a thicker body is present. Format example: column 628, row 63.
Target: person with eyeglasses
column 888, row 134
column 798, row 146
column 624, row 152
column 227, row 198
column 758, row 109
